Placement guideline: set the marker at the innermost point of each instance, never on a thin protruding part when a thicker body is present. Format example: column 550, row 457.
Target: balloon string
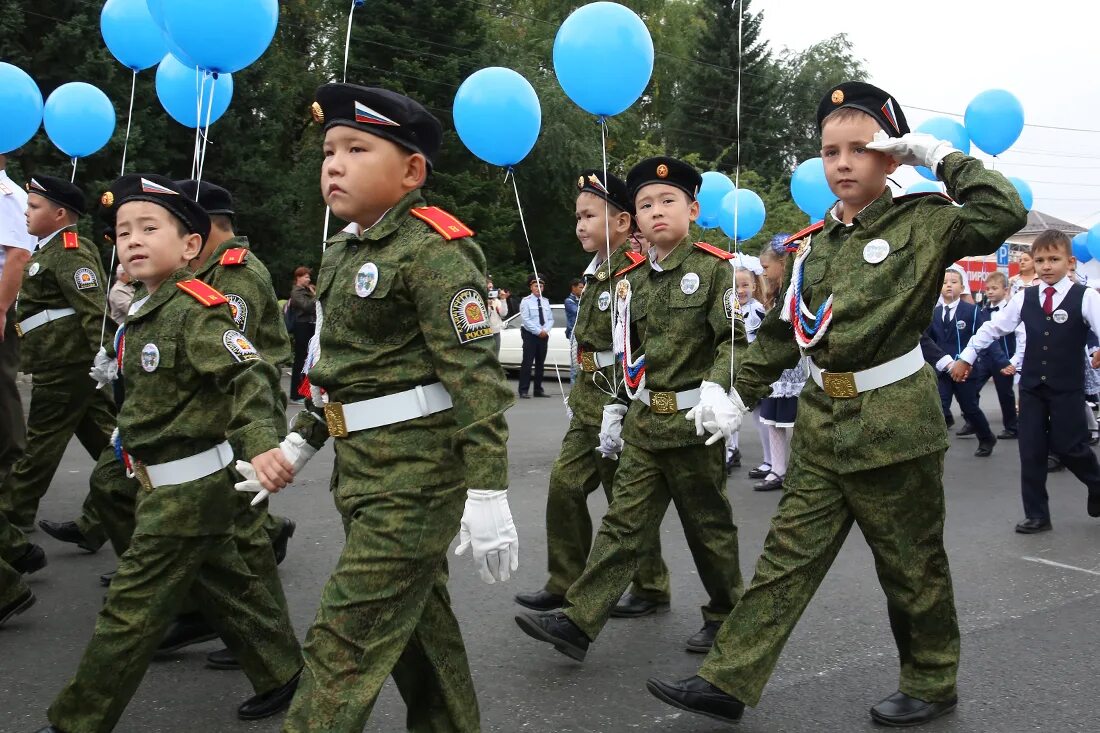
column 324, row 240
column 110, row 275
column 129, row 122
column 72, row 179
column 607, row 240
column 736, row 188
column 206, row 134
column 200, row 88
column 347, row 50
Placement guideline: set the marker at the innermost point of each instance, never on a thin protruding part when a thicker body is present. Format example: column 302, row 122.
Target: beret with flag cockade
column 866, row 98
column 159, row 190
column 59, row 191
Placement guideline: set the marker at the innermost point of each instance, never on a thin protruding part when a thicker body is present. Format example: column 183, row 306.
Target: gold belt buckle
column 839, row 385
column 663, row 403
column 142, row 476
column 334, row 416
column 588, row 361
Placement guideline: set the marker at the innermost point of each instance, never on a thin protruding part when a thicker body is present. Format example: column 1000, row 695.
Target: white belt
column 666, row 403
column 182, row 470
column 592, row 361
column 41, row 319
column 849, row 384
column 366, row 414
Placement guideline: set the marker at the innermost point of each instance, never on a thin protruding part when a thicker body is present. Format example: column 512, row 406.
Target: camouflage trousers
column 900, row 510
column 155, row 576
column 64, row 402
column 12, row 546
column 386, row 611
column 579, row 470
column 694, row 479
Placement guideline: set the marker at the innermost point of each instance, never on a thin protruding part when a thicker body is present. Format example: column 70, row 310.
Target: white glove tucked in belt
column 611, row 430
column 104, row 369
column 487, row 527
column 297, row 453
column 913, row 148
column 717, row 413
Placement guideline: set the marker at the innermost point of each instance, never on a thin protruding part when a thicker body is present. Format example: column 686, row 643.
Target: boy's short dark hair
column 997, row 277
column 1052, row 239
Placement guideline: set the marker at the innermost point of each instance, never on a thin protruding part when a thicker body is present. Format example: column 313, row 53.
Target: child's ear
column 622, row 223
column 192, row 246
column 416, row 171
column 693, row 210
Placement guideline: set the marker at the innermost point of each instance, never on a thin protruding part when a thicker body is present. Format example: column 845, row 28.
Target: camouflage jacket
column 880, row 309
column 686, row 326
column 404, row 305
column 64, row 272
column 592, row 332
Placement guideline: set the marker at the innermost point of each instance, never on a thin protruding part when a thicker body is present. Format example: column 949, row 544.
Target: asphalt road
column 1028, row 608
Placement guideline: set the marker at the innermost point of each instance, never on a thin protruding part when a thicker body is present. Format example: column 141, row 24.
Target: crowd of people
column 822, row 343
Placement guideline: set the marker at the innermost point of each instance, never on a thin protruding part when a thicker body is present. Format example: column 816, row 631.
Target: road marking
column 1060, row 565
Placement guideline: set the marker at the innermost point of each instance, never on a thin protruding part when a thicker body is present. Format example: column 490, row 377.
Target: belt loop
column 422, row 401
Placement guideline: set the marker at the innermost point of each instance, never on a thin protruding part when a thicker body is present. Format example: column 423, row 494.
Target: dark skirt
column 779, row 411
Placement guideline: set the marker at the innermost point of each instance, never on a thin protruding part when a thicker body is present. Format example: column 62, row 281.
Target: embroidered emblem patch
column 150, row 357
column 238, row 308
column 366, row 280
column 604, row 301
column 239, row 346
column 85, row 278
column 468, row 316
column 728, row 300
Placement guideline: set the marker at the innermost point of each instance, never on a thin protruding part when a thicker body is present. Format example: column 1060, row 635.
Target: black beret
column 867, row 98
column 59, row 191
column 159, row 190
column 380, row 112
column 613, row 190
column 664, row 169
column 212, row 198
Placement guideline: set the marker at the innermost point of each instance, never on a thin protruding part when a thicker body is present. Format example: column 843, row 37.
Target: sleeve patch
column 85, row 279
column 728, row 300
column 239, row 346
column 239, row 309
column 469, row 317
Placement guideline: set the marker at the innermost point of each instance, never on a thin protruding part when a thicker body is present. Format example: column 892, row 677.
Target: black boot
column 985, row 447
column 696, row 695
column 16, row 607
column 540, row 600
column 31, row 561
column 67, row 532
column 554, row 627
column 106, row 578
column 632, row 606
column 901, row 711
column 271, row 702
column 702, row 640
column 280, row 541
column 188, row 629
column 222, row 659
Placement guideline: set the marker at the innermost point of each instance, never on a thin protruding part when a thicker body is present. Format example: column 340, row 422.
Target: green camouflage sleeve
column 81, row 279
column 265, row 325
column 447, row 281
column 991, row 209
column 763, row 361
column 719, row 318
column 310, row 424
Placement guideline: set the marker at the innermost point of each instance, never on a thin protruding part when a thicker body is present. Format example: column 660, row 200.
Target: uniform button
column 1046, row 333
column 355, row 248
column 1044, row 363
column 1043, row 378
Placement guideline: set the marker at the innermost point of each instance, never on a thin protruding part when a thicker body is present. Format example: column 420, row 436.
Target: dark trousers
column 13, row 436
column 967, row 395
column 1006, row 395
column 534, row 351
column 303, row 332
column 1052, row 421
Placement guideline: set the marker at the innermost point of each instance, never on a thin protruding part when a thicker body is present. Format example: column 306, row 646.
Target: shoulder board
column 71, row 240
column 202, row 292
column 448, row 227
column 914, row 196
column 234, row 256
column 710, row 249
column 812, row 229
column 5, row 190
column 635, row 258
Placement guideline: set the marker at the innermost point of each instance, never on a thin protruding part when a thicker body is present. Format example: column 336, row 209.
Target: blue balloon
column 1081, row 247
column 750, row 214
column 947, row 129
column 810, row 189
column 994, row 120
column 924, row 187
column 497, row 115
column 1092, row 241
column 79, row 119
column 219, row 36
column 603, row 57
column 156, row 12
column 20, row 107
column 715, row 187
column 1024, row 190
column 178, row 91
column 131, row 35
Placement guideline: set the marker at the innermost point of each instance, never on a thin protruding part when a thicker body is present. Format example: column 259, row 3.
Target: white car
column 557, row 352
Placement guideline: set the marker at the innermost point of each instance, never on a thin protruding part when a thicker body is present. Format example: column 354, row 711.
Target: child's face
column 856, row 175
column 364, row 175
column 773, row 270
column 593, row 225
column 149, row 243
column 995, row 291
column 746, row 288
column 1051, row 265
column 952, row 286
column 664, row 214
column 42, row 216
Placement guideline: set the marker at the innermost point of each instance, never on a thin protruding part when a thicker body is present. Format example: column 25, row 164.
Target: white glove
column 717, row 413
column 296, row 451
column 913, row 148
column 487, row 527
column 104, row 369
column 611, row 430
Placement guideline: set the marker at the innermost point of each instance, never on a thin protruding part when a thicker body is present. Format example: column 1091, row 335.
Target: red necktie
column 1048, row 302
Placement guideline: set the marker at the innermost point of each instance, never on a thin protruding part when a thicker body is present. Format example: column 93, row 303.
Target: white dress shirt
column 529, row 312
column 13, row 217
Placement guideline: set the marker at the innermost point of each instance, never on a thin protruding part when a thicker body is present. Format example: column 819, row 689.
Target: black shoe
column 1034, row 526
column 280, row 542
column 540, row 600
column 1007, row 435
column 16, row 607
column 271, row 702
column 222, row 659
column 985, row 447
column 901, row 711
column 696, row 695
column 632, row 606
column 770, row 484
column 950, row 421
column 33, row 560
column 702, row 640
column 188, row 629
column 106, row 578
column 734, row 461
column 1093, row 505
column 542, row 394
column 759, row 473
column 66, row 532
column 966, row 430
column 1054, row 465
column 524, row 396
column 554, row 627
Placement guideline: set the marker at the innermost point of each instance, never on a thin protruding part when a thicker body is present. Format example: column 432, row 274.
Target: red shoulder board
column 234, row 256
column 812, row 229
column 71, row 240
column 448, row 227
column 921, row 194
column 635, row 258
column 202, row 292
column 710, row 249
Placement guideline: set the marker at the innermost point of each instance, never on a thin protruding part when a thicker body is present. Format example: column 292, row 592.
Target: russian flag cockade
column 148, row 186
column 888, row 111
column 366, row 115
column 37, row 186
